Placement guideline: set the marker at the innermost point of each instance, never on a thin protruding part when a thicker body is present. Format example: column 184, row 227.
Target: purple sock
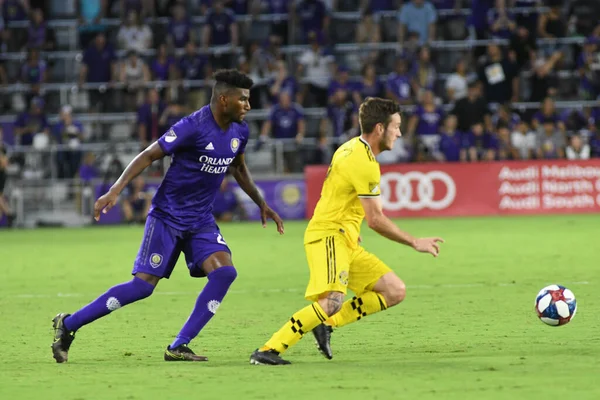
column 115, row 298
column 206, row 306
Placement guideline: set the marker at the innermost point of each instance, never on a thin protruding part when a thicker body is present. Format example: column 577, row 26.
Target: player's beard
column 383, row 144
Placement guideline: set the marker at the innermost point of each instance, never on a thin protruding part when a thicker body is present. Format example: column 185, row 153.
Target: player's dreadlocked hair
column 232, row 78
column 375, row 110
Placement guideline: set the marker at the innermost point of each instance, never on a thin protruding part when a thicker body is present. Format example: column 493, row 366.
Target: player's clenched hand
column 266, row 212
column 105, row 203
column 429, row 245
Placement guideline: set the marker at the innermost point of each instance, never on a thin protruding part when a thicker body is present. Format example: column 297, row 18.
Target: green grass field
column 467, row 329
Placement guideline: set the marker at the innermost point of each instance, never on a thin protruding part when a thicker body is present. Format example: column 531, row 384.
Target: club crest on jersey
column 235, row 144
column 373, row 187
column 170, row 136
column 155, row 260
column 343, row 277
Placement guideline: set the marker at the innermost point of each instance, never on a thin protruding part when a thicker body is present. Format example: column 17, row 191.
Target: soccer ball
column 555, row 305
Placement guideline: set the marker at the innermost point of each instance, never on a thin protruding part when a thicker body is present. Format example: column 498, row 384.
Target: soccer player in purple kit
column 203, row 146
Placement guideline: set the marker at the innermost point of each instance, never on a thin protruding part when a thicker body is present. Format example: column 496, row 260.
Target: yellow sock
column 302, row 321
column 356, row 308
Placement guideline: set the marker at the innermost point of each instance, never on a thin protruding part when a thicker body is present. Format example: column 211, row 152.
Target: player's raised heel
column 322, row 335
column 62, row 339
column 269, row 357
column 182, row 353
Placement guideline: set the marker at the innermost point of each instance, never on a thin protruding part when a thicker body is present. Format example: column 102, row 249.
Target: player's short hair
column 226, row 79
column 375, row 110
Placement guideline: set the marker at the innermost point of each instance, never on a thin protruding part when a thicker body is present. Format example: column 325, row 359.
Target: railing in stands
column 313, row 112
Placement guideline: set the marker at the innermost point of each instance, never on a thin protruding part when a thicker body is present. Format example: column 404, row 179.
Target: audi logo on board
column 425, row 198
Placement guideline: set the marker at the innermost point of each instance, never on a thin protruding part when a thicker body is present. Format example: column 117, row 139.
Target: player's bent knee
column 395, row 293
column 331, row 302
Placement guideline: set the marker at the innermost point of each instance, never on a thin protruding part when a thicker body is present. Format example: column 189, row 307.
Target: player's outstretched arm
column 136, row 166
column 241, row 173
column 386, row 228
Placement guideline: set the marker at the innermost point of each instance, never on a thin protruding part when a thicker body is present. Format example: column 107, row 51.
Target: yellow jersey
column 353, row 173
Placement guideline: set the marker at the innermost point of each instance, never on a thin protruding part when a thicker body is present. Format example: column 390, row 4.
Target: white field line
column 296, row 290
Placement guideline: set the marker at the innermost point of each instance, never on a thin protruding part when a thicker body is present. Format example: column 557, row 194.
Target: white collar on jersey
column 365, row 142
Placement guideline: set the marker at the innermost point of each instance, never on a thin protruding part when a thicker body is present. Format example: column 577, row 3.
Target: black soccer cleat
column 62, row 339
column 182, row 353
column 323, row 338
column 268, row 357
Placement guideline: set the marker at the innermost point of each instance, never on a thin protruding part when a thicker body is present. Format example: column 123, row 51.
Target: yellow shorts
column 336, row 267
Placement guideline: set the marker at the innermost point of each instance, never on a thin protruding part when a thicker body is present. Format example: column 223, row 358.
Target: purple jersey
column 341, row 117
column 284, row 121
column 429, row 122
column 542, row 118
column 312, row 15
column 399, row 85
column 334, row 85
column 161, row 69
column 220, row 24
column 33, row 73
column 201, row 154
column 485, row 141
column 37, row 35
column 450, row 146
column 376, row 89
column 180, row 32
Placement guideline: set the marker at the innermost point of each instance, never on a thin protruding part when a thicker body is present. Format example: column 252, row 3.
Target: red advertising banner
column 491, row 188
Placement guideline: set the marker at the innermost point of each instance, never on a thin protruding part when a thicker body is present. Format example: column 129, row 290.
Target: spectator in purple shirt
column 398, row 84
column 425, row 124
column 148, row 119
column 547, row 113
column 342, row 119
column 31, row 122
column 479, row 144
column 39, row 35
column 34, row 72
column 370, row 85
column 88, row 170
column 342, row 81
column 313, row 18
column 286, row 121
column 99, row 66
column 15, row 11
column 163, row 67
column 450, row 146
column 180, row 28
column 221, row 28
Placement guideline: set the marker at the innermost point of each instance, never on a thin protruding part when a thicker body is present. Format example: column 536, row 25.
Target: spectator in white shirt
column 523, row 141
column 456, row 84
column 577, row 150
column 134, row 35
column 316, row 66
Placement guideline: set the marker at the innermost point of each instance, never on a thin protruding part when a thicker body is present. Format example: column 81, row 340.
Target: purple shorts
column 162, row 245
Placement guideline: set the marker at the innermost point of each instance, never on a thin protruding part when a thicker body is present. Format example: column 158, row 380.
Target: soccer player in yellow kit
column 336, row 260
